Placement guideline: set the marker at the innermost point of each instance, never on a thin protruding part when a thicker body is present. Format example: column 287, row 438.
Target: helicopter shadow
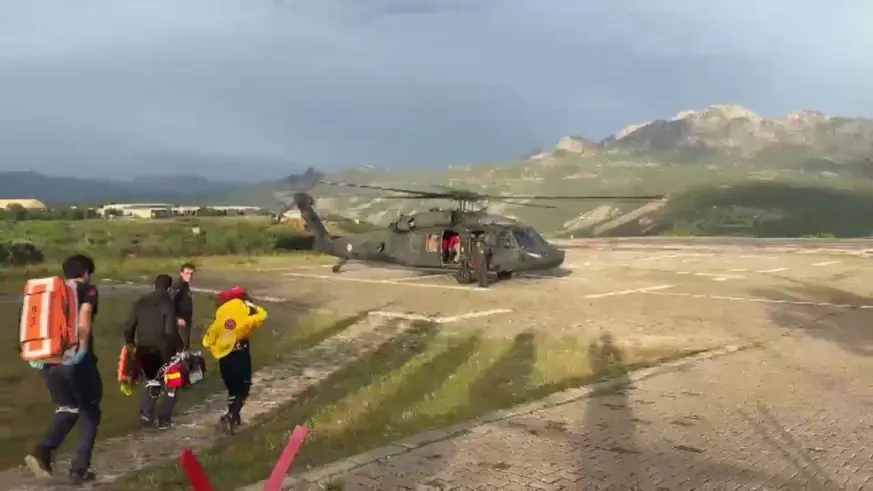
column 549, row 273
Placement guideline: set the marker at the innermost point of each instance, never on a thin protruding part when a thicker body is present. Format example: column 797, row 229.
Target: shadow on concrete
column 609, row 424
column 771, row 431
column 825, row 313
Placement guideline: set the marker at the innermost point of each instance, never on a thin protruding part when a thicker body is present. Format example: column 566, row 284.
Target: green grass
column 420, row 381
column 27, row 408
column 124, row 239
column 143, row 269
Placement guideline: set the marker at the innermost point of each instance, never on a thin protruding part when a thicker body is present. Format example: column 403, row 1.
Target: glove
column 37, row 364
column 183, row 355
column 75, row 359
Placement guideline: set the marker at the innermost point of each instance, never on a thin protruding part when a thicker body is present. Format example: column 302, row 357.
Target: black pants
column 151, row 360
column 77, row 392
column 236, row 372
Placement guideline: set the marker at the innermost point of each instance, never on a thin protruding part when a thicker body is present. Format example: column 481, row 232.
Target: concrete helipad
column 694, row 296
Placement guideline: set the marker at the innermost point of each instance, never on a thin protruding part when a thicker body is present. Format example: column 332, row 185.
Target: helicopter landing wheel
column 464, row 276
column 339, row 264
column 504, row 275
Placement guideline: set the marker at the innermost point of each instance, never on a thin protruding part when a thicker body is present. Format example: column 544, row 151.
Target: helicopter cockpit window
column 529, row 240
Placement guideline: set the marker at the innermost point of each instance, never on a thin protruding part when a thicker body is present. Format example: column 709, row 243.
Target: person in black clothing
column 184, row 303
column 75, row 385
column 152, row 329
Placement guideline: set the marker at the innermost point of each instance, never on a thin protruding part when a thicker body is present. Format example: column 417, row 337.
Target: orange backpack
column 49, row 319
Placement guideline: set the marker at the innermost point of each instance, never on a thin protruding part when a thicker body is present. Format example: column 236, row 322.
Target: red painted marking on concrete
column 283, row 465
column 194, row 471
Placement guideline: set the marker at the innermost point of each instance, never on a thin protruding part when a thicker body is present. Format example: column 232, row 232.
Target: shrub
column 152, row 238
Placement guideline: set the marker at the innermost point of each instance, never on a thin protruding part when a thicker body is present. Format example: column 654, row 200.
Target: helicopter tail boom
column 313, row 223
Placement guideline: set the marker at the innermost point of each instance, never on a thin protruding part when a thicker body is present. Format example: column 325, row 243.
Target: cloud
column 277, row 84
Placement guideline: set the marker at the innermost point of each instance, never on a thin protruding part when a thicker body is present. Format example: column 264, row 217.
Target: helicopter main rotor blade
column 531, row 205
column 464, row 195
column 380, row 188
column 602, row 197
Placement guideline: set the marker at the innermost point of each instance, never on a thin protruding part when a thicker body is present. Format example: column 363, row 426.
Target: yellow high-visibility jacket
column 234, row 322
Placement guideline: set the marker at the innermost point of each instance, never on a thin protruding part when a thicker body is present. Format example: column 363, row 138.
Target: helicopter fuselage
column 513, row 248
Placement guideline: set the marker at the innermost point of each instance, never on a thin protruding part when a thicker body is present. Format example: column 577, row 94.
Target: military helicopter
column 471, row 243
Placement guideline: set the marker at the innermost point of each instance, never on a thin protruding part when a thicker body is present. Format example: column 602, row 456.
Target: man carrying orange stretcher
column 228, row 339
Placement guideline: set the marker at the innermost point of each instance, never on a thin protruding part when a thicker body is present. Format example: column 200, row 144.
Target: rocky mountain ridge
column 731, row 134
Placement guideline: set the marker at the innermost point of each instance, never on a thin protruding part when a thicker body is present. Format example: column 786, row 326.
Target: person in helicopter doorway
column 228, row 339
column 452, row 244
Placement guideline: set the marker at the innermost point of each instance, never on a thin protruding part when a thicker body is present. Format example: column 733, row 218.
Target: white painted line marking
column 739, row 270
column 628, row 292
column 714, row 276
column 292, row 268
column 826, row 263
column 473, row 315
column 761, row 300
column 717, row 276
column 438, row 319
column 401, row 315
column 385, row 282
column 212, row 291
column 774, row 270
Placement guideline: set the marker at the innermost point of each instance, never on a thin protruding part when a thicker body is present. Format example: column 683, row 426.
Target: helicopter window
column 433, row 243
column 529, row 239
column 505, row 240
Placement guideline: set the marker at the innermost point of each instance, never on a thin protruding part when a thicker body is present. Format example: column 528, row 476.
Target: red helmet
column 236, row 292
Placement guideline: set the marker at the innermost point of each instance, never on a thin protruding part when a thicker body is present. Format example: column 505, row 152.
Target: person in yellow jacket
column 228, row 339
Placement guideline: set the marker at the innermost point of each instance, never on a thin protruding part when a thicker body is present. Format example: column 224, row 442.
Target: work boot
column 81, row 476
column 228, row 424
column 165, row 423
column 146, row 421
column 39, row 462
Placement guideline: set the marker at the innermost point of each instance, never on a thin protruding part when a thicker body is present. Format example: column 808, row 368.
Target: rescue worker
column 228, row 339
column 183, row 300
column 74, row 384
column 153, row 333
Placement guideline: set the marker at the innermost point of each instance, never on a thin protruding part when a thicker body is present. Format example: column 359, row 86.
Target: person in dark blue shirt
column 75, row 385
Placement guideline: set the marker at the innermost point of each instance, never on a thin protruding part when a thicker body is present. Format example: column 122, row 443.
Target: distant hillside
column 180, row 189
column 804, row 161
column 698, row 151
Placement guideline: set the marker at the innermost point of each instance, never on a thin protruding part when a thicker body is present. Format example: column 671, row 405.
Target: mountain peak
column 731, row 133
column 720, row 111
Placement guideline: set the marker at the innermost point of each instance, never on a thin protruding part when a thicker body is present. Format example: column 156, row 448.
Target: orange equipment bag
column 128, row 369
column 49, row 319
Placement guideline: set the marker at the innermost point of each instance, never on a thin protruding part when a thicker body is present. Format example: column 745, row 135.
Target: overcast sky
column 260, row 88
